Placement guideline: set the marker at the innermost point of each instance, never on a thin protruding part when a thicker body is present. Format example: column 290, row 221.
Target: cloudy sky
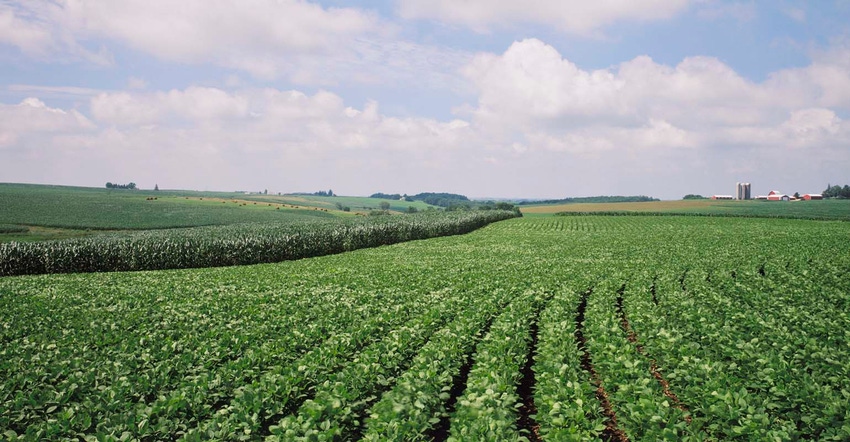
column 489, row 98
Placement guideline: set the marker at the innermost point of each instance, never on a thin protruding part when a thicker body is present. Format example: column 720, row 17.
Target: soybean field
column 545, row 328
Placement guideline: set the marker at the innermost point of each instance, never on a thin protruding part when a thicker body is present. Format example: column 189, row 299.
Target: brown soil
column 612, row 432
column 653, row 367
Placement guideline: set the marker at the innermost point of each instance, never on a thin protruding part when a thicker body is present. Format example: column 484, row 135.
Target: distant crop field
column 825, row 209
column 80, row 209
column 548, row 328
column 237, row 244
column 647, row 206
column 355, row 203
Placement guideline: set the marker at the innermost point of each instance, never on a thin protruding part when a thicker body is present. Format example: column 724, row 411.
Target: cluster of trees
column 389, row 196
column 837, row 191
column 319, row 193
column 440, row 199
column 692, row 196
column 435, row 199
column 595, row 199
column 131, row 186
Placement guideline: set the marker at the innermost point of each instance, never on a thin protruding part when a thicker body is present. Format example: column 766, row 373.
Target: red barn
column 812, row 196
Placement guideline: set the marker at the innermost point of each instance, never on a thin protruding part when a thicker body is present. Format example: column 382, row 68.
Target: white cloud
column 269, row 39
column 541, row 123
column 255, row 37
column 273, row 119
column 572, row 16
column 530, row 88
column 53, row 91
column 227, row 32
column 28, row 36
column 33, row 116
column 194, row 104
column 531, row 85
column 39, row 28
column 269, row 137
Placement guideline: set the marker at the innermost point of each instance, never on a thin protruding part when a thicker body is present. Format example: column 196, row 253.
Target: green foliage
column 567, row 409
column 487, row 409
column 592, row 199
column 386, row 196
column 417, row 403
column 837, row 191
column 229, row 245
column 403, row 342
column 432, row 198
column 10, row 228
column 131, row 186
column 692, row 196
column 104, row 209
column 805, row 210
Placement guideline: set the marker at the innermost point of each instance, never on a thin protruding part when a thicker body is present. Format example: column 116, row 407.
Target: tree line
column 131, row 186
column 836, row 191
column 433, row 198
column 594, row 199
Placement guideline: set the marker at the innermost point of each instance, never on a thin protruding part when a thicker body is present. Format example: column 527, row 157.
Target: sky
column 487, row 98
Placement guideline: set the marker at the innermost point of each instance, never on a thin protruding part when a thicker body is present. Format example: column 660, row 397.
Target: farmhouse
column 776, row 195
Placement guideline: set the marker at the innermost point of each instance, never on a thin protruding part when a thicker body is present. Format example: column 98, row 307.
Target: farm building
column 742, row 191
column 722, row 197
column 812, row 196
column 776, row 195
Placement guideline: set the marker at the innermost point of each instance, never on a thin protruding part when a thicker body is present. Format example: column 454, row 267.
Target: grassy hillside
column 355, row 203
column 826, row 209
column 56, row 212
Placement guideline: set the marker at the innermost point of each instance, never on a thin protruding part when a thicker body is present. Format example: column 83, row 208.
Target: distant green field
column 71, row 211
column 825, row 209
column 355, row 203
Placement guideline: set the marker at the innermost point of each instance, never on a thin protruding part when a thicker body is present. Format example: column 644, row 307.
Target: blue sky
column 486, row 98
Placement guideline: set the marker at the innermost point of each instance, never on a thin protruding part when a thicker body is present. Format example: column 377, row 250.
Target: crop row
column 230, row 245
column 670, row 328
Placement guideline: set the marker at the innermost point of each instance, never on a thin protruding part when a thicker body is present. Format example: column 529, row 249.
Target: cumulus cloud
column 300, row 40
column 271, row 116
column 572, row 16
column 33, row 116
column 531, row 91
column 195, row 30
column 539, row 121
column 28, row 36
column 269, row 137
column 194, row 104
column 250, row 36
